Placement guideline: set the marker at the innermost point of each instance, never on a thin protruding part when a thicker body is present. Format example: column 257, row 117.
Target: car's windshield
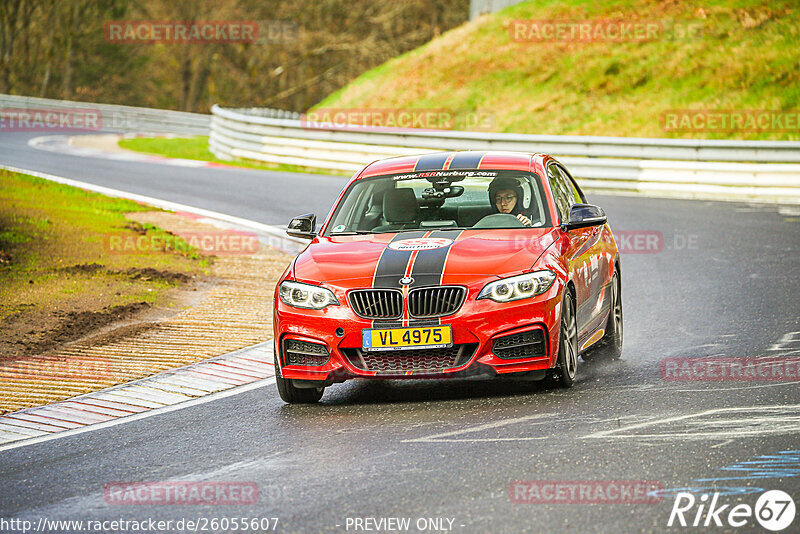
column 439, row 200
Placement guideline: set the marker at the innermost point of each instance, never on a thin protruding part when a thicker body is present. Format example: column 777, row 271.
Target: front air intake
column 412, row 361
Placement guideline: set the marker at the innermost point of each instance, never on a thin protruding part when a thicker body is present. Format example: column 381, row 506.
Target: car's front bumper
column 475, row 326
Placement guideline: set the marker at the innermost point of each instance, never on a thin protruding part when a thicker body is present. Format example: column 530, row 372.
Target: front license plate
column 426, row 337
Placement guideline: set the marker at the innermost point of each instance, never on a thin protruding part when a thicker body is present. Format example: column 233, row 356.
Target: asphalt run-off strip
column 64, row 144
column 222, row 376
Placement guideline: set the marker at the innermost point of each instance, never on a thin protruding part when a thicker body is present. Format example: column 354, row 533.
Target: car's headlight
column 306, row 296
column 518, row 287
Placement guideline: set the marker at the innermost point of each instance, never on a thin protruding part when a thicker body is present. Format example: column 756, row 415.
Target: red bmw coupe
column 448, row 265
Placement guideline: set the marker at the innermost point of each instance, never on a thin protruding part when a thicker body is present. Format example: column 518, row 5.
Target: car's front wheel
column 567, row 363
column 292, row 394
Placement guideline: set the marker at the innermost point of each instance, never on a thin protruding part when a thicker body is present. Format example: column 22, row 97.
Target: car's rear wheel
column 293, row 395
column 567, row 363
column 610, row 347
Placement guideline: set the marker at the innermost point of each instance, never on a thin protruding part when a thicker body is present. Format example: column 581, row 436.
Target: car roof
column 467, row 159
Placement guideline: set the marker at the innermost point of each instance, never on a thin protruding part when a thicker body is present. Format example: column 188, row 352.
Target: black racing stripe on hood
column 428, row 267
column 392, row 263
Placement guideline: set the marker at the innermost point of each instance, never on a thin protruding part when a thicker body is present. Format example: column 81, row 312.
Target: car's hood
column 453, row 257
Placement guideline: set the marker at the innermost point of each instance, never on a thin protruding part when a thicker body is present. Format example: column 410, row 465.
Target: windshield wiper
column 352, row 232
column 370, row 232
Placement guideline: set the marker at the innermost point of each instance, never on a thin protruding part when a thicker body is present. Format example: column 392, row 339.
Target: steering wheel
column 499, row 220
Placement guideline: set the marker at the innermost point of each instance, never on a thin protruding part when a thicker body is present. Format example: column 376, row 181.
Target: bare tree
column 57, row 48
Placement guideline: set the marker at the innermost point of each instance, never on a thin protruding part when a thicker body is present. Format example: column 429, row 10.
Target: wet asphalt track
column 724, row 284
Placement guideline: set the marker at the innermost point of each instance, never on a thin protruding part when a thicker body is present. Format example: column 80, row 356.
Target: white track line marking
column 715, row 390
column 671, row 389
column 748, row 421
column 119, row 400
column 277, row 235
column 143, row 415
column 792, row 339
column 437, row 438
column 63, row 144
column 718, row 445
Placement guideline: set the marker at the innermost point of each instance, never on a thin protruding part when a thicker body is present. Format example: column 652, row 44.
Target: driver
column 505, row 195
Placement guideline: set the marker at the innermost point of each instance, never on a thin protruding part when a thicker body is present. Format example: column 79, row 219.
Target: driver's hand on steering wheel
column 524, row 220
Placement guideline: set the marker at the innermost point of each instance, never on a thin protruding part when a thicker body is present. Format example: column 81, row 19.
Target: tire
column 293, row 395
column 610, row 346
column 567, row 362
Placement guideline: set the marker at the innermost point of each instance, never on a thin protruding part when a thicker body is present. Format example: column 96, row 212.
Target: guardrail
column 732, row 170
column 116, row 118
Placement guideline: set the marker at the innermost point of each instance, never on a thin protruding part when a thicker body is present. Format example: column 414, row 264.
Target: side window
column 577, row 194
column 561, row 192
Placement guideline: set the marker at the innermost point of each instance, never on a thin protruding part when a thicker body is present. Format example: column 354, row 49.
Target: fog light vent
column 297, row 352
column 517, row 346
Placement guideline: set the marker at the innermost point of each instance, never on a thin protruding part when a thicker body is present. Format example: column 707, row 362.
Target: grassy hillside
column 741, row 55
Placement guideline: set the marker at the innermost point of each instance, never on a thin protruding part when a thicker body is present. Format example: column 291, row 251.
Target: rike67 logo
column 774, row 510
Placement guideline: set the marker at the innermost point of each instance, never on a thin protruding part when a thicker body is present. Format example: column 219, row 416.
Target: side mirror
column 584, row 215
column 303, row 226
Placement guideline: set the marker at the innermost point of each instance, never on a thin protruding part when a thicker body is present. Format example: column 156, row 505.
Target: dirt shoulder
column 60, row 278
column 73, row 326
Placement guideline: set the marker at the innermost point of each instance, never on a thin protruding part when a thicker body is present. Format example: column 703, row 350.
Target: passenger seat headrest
column 400, row 206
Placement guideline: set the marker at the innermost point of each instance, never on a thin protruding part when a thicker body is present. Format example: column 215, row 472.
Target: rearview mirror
column 584, row 215
column 303, row 226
